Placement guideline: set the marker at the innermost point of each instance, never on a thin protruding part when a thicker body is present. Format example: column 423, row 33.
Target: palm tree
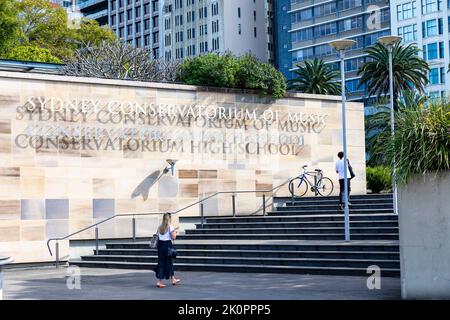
column 314, row 76
column 409, row 70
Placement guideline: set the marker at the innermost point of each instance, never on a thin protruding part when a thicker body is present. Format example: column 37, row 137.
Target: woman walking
column 164, row 269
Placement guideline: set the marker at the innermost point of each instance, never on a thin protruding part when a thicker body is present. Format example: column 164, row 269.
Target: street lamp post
column 388, row 42
column 341, row 46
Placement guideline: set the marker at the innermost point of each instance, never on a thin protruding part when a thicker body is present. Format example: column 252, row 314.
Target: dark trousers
column 164, row 268
column 342, row 188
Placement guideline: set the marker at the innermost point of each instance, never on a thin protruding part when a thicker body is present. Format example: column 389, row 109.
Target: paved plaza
column 50, row 283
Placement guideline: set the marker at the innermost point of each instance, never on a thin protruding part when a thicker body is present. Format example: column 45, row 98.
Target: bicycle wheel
column 298, row 187
column 325, row 187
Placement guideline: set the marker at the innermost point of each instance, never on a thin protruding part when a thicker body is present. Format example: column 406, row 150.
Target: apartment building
column 193, row 27
column 304, row 29
column 426, row 24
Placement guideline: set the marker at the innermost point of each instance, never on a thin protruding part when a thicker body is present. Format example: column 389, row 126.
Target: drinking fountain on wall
column 171, row 166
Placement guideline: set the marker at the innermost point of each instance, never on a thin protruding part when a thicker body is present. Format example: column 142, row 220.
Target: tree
column 409, row 70
column 227, row 70
column 92, row 33
column 254, row 74
column 314, row 76
column 118, row 60
column 9, row 25
column 211, row 69
column 46, row 26
column 31, row 53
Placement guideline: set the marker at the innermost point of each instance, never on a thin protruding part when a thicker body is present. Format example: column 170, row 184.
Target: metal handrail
column 155, row 213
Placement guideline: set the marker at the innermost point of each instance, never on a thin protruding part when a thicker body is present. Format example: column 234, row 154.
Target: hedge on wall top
column 226, row 70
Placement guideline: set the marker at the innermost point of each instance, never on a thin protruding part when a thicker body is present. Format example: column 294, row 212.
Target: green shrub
column 378, row 178
column 209, row 69
column 226, row 70
column 32, row 53
column 421, row 143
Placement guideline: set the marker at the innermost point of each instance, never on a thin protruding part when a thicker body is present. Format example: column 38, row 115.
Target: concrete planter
column 424, row 230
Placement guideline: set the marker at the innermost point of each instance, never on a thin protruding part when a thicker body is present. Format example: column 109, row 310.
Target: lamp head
column 343, row 44
column 389, row 40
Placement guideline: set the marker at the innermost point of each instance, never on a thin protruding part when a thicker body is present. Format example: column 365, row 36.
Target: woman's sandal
column 160, row 285
column 175, row 281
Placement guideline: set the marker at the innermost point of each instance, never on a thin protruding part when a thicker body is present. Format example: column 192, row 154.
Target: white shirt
column 166, row 236
column 340, row 169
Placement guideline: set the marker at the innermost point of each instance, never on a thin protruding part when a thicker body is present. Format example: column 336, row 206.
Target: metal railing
column 133, row 215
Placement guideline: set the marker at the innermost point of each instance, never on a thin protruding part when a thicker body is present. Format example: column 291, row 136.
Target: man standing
column 340, row 171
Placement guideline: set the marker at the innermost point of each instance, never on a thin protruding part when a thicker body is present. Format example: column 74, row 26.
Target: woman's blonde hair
column 165, row 223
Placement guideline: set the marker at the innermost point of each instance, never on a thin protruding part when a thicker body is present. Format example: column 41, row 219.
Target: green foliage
column 421, row 142
column 38, row 24
column 314, row 76
column 45, row 26
column 210, row 69
column 90, row 32
column 378, row 125
column 226, row 70
column 254, row 74
column 409, row 70
column 9, row 25
column 32, row 53
column 379, row 178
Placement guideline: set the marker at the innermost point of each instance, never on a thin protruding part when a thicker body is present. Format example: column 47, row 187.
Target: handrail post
column 201, row 214
column 264, row 204
column 57, row 254
column 96, row 240
column 134, row 228
column 233, row 199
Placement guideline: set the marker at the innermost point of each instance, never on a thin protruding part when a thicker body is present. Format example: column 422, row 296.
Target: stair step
column 289, row 201
column 343, row 247
column 311, row 230
column 328, row 211
column 387, row 272
column 384, row 255
column 365, row 197
column 299, row 218
column 353, row 207
column 252, row 261
column 376, row 236
column 268, row 225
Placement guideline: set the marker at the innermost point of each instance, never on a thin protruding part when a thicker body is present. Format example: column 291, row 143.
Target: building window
column 434, row 76
column 429, row 6
column 239, row 12
column 408, row 33
column 254, row 31
column 432, row 51
column 325, row 29
column 239, row 29
column 442, row 74
column 429, row 28
column 406, row 10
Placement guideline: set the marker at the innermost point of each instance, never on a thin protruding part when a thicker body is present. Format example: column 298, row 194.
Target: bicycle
column 322, row 185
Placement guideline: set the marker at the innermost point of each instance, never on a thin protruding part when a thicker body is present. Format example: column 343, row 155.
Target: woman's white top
column 166, row 236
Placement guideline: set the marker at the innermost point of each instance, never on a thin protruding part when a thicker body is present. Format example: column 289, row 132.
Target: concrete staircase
column 304, row 236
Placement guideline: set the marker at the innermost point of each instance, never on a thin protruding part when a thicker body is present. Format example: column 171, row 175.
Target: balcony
column 98, row 15
column 91, row 3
